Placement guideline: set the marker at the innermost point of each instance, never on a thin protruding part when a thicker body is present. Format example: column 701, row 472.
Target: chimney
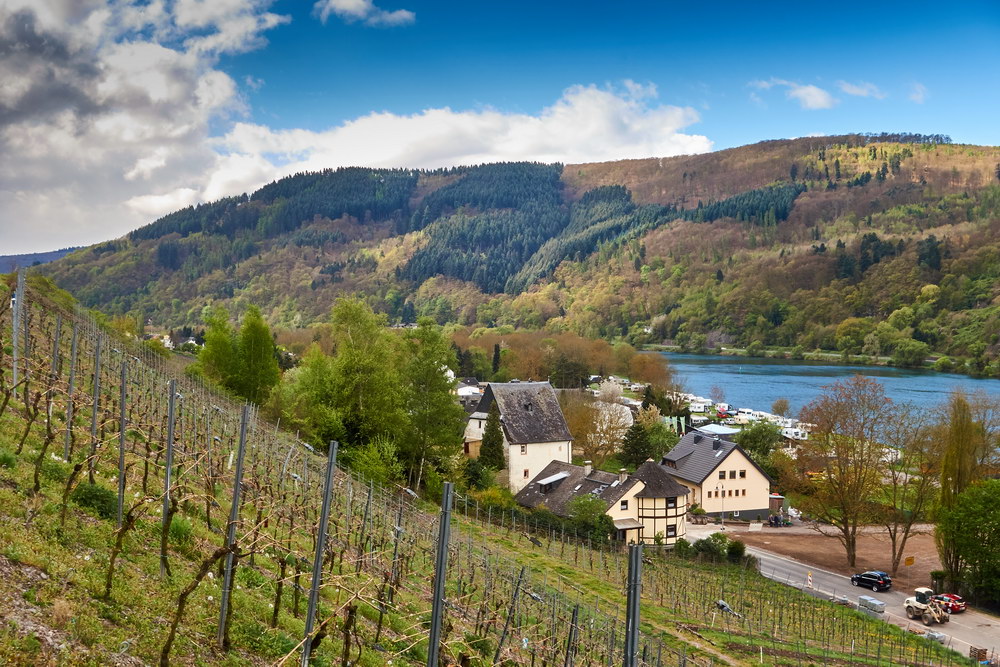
column 587, row 468
column 622, row 474
column 716, row 443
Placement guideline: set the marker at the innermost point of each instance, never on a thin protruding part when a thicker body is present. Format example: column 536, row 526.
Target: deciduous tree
column 911, row 479
column 972, row 526
column 436, row 420
column 846, row 448
column 257, row 367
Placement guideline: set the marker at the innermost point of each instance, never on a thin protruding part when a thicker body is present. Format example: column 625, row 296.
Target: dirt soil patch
column 825, row 551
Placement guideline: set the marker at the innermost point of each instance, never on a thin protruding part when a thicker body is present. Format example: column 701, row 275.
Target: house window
column 526, row 473
column 524, row 449
column 672, row 530
column 743, row 474
column 672, row 502
column 466, row 448
column 722, row 474
column 744, row 492
column 623, row 505
column 730, row 490
column 732, row 474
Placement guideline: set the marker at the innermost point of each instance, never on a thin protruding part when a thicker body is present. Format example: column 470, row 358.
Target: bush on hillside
column 101, row 500
column 7, row 459
column 735, row 551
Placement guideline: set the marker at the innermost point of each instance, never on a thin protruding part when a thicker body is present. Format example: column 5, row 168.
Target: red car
column 952, row 603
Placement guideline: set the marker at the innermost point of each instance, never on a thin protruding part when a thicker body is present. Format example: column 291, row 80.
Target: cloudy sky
column 113, row 113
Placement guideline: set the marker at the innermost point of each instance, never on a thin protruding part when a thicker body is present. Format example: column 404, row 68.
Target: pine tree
column 496, row 358
column 636, row 446
column 491, row 450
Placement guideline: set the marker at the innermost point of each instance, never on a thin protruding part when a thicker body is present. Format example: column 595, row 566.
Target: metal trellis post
column 234, row 514
column 440, row 572
column 317, row 573
column 121, row 442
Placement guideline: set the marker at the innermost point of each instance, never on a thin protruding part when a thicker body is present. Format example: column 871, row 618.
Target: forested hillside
column 883, row 246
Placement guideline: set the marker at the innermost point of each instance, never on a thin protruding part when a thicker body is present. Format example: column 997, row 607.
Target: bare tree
column 911, row 478
column 780, row 407
column 847, row 447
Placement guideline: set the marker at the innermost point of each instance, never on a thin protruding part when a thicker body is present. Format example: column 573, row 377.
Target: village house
column 646, row 506
column 722, row 478
column 534, row 429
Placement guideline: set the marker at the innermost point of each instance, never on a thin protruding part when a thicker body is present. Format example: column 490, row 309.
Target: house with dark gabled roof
column 722, row 478
column 646, row 504
column 534, row 429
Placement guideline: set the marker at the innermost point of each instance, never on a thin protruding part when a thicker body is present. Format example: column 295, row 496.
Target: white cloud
column 807, row 95
column 364, row 11
column 919, row 93
column 862, row 89
column 586, row 124
column 106, row 108
column 154, row 206
column 109, row 117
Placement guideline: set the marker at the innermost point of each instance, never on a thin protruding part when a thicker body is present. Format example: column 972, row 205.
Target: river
column 751, row 382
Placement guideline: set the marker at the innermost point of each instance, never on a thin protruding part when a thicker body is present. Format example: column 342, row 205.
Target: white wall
column 615, row 511
column 756, row 485
column 536, row 457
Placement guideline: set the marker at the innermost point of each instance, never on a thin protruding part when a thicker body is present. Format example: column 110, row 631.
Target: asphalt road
column 968, row 628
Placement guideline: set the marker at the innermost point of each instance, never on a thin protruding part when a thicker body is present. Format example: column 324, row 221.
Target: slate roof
column 659, row 483
column 604, row 485
column 696, row 455
column 529, row 411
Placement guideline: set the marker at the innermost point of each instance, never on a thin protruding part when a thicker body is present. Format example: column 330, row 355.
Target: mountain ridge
column 757, row 229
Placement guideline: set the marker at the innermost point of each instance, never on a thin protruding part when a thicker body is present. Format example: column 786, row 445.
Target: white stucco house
column 534, row 429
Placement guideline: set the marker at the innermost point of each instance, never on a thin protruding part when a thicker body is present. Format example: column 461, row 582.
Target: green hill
column 869, row 245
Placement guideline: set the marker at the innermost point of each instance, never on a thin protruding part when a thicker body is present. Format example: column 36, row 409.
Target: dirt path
column 824, row 550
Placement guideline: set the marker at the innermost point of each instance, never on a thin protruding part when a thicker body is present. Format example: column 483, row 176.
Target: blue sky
column 519, row 57
column 149, row 106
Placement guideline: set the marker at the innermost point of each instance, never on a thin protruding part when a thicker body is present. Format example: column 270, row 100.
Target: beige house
column 534, row 429
column 721, row 477
column 643, row 505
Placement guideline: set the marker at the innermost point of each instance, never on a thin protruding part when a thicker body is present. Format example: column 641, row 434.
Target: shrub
column 495, row 497
column 101, row 500
column 55, row 471
column 180, row 530
column 735, row 551
column 7, row 459
column 683, row 548
column 944, row 365
column 712, row 547
column 476, row 475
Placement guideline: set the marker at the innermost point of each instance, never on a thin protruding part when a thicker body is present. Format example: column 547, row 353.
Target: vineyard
column 147, row 518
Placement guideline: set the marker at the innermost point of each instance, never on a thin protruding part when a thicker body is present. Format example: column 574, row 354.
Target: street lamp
column 722, row 487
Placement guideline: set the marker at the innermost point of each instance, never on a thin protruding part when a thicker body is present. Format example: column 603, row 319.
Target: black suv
column 873, row 579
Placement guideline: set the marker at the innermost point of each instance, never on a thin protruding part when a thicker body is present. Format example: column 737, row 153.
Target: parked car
column 951, row 602
column 877, row 580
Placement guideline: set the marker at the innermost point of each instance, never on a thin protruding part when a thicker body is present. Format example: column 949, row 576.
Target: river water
column 750, row 382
